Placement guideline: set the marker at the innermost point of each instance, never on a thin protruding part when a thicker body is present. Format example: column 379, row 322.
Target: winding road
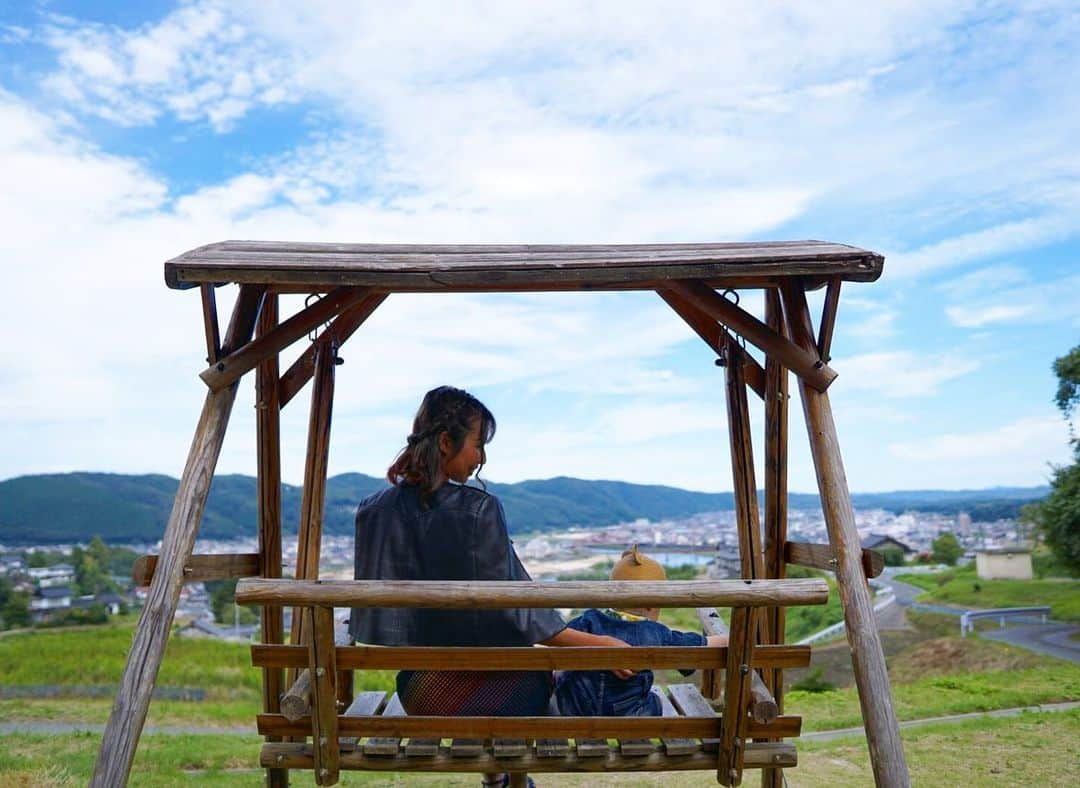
column 1052, row 638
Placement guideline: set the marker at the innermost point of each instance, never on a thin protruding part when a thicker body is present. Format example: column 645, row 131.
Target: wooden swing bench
column 372, row 731
column 701, row 283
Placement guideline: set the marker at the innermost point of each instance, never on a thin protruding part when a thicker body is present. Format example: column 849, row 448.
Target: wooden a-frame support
column 148, row 646
column 788, row 341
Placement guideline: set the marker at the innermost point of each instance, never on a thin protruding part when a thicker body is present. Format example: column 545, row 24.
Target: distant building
column 881, row 542
column 1001, row 563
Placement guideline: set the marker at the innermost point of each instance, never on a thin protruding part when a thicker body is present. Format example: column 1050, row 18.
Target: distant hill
column 123, row 508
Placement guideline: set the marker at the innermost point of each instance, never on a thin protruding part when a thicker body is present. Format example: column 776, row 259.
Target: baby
column 592, row 693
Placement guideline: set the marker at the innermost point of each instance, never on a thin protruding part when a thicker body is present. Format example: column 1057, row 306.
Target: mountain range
column 54, row 508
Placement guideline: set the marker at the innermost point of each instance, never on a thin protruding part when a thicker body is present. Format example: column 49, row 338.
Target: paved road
column 827, row 735
column 1051, row 638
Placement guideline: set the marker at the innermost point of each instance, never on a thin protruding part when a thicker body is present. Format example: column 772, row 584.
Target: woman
column 429, row 526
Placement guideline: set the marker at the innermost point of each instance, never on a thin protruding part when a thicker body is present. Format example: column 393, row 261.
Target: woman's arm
column 575, row 637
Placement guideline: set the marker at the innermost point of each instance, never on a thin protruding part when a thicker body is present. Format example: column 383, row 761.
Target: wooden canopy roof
column 411, row 267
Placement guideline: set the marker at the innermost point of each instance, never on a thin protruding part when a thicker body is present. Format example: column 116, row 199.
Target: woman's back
column 457, row 533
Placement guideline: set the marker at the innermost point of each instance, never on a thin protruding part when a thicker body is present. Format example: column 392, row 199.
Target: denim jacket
column 599, row 693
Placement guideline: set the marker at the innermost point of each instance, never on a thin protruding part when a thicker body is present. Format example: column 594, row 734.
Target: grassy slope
column 963, row 588
column 1032, row 749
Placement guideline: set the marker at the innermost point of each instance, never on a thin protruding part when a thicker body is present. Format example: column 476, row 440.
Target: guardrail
column 884, row 598
column 967, row 619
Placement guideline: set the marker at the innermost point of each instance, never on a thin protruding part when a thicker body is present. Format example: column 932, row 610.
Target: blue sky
column 942, row 134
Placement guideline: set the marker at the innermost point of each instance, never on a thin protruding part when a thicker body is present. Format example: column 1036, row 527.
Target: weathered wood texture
column 296, row 701
column 231, row 367
column 763, row 706
column 776, row 496
column 324, row 719
column 298, row 756
column 828, row 319
column 805, row 363
column 822, row 556
column 525, row 658
column 511, row 593
column 733, row 731
column 210, row 323
column 402, row 267
column 313, row 499
column 343, row 327
column 268, row 491
column 868, row 659
column 528, row 727
column 751, row 557
column 199, row 568
column 148, row 646
column 714, row 335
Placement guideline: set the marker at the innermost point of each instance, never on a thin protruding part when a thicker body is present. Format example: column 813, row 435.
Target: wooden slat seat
column 689, row 735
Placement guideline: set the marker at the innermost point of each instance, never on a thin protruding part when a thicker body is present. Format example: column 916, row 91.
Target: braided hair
column 444, row 409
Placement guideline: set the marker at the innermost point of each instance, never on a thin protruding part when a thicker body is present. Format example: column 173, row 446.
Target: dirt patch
column 942, row 656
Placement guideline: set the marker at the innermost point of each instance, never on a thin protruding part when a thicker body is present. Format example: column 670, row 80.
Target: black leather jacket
column 460, row 535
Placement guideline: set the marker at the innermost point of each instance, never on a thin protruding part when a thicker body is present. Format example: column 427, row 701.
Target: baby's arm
column 716, row 640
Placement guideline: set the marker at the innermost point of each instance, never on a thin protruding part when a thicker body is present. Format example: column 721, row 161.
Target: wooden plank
column 466, row 747
column 231, row 367
column 592, row 748
column 804, row 362
column 828, row 318
column 210, row 323
column 313, row 498
column 763, row 707
column 713, row 334
column 200, row 567
column 343, row 327
column 868, row 658
column 821, row 556
column 751, row 557
column 439, row 267
column 674, row 745
column 736, row 696
column 691, row 703
column 510, row 727
column 298, row 756
column 296, row 701
column 386, row 745
column 365, row 704
column 776, row 448
column 324, row 719
column 552, row 748
column 509, row 748
column 526, row 657
column 458, row 595
column 268, row 491
column 128, row 713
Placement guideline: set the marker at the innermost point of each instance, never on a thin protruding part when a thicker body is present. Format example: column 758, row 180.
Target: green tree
column 893, row 556
column 946, row 548
column 1058, row 516
column 16, row 610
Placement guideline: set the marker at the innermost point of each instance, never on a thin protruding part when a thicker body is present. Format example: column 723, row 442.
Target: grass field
column 962, row 587
column 1030, row 749
column 934, row 673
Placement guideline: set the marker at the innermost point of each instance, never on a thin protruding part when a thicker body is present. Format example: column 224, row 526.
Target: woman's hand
column 614, row 642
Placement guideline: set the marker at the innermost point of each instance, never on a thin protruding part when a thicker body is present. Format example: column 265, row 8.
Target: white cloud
column 1016, row 453
column 1006, row 300
column 900, row 374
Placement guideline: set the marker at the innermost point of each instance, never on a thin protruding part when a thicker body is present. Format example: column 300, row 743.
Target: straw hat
column 635, row 566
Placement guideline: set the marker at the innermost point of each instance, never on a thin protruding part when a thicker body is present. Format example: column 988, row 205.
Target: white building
column 1004, row 563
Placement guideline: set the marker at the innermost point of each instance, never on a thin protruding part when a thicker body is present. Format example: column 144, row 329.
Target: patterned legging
column 474, row 693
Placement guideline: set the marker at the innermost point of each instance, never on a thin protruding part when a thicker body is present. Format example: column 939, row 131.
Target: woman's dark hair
column 444, row 409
